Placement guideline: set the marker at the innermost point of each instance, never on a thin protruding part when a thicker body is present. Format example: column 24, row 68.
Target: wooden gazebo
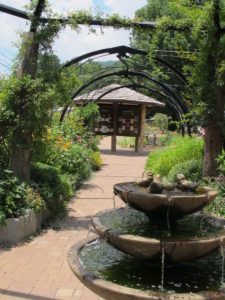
column 122, row 112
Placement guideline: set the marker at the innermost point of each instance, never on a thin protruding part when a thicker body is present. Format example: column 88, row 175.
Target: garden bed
column 22, row 227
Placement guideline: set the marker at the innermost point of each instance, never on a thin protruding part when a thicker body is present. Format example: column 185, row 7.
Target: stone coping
column 22, row 227
column 158, row 204
column 150, row 248
column 111, row 291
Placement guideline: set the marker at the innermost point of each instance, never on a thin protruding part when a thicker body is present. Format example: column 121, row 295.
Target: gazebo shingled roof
column 118, row 95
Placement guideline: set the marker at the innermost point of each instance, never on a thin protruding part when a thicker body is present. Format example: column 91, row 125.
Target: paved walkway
column 38, row 269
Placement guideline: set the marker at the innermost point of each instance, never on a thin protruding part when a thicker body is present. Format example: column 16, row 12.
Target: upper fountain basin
column 133, row 233
column 174, row 203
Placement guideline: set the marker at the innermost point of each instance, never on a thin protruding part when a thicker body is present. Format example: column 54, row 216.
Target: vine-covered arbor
column 133, row 71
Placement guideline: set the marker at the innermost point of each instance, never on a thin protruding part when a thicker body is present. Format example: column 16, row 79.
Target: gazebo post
column 113, row 140
column 139, row 142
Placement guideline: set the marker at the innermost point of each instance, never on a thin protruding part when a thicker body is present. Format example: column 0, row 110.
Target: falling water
column 222, row 264
column 168, row 217
column 202, row 222
column 114, row 201
column 162, row 266
column 89, row 230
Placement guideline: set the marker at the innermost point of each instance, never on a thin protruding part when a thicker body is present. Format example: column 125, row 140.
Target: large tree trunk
column 214, row 136
column 22, row 138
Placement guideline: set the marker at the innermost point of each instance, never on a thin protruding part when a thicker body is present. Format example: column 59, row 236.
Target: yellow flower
column 66, row 146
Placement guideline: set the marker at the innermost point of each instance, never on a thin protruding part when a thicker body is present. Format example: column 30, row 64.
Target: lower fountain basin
column 132, row 232
column 178, row 203
column 112, row 275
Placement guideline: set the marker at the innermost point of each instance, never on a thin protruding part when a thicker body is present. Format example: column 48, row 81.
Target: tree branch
column 36, row 18
column 217, row 15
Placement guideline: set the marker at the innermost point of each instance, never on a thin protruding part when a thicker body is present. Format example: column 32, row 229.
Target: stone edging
column 22, row 227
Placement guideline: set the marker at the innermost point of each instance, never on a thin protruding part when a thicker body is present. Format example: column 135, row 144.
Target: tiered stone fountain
column 158, row 247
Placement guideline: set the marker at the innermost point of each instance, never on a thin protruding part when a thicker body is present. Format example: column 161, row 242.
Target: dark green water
column 131, row 221
column 131, row 186
column 112, row 265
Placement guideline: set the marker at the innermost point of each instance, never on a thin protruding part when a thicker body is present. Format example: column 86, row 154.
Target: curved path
column 38, row 269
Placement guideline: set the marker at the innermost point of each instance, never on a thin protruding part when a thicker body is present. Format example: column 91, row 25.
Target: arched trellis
column 126, row 73
column 122, row 51
column 176, row 102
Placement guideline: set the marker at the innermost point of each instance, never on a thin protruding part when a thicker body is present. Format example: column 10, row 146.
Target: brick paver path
column 38, row 269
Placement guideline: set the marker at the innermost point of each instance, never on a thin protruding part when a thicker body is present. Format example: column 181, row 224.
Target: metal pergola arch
column 178, row 99
column 122, row 51
column 175, row 100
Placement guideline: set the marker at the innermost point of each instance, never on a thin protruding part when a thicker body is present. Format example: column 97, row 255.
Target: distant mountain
column 109, row 63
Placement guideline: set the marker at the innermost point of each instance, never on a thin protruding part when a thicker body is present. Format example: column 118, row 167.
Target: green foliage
column 53, row 188
column 16, row 197
column 90, row 115
column 69, row 147
column 86, row 17
column 126, row 142
column 197, row 50
column 165, row 139
column 25, row 104
column 76, row 160
column 161, row 121
column 192, row 170
column 221, row 162
column 96, row 160
column 129, row 141
column 217, row 207
column 177, row 151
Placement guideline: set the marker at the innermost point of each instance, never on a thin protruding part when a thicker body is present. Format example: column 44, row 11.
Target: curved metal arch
column 122, row 51
column 132, row 73
column 177, row 110
column 174, row 95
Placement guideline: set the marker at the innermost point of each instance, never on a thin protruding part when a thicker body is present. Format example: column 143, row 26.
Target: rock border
column 17, row 229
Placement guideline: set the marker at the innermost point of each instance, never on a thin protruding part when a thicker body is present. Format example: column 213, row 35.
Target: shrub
column 217, row 207
column 77, row 160
column 65, row 157
column 221, row 161
column 177, row 151
column 165, row 140
column 90, row 115
column 161, row 121
column 96, row 160
column 52, row 187
column 192, row 169
column 16, row 197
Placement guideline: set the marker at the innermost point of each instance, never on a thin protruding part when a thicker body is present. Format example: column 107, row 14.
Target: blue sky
column 101, row 4
column 69, row 44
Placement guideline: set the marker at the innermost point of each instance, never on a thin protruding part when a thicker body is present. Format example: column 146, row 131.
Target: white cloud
column 125, row 7
column 72, row 44
column 67, row 5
